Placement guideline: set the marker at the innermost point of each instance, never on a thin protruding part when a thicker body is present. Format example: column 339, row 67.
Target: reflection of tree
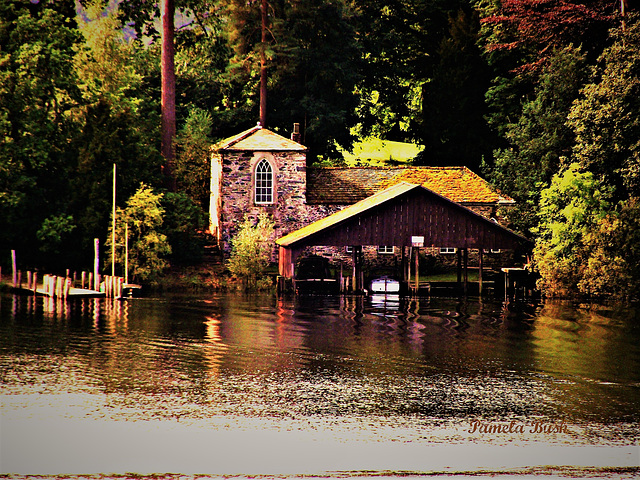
column 214, row 348
column 587, row 357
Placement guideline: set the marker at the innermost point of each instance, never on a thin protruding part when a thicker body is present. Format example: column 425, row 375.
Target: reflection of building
column 259, row 170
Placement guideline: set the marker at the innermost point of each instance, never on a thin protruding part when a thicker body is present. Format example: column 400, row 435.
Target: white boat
column 385, row 285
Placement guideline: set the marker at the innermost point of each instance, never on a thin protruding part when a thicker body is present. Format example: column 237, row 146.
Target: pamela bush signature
column 518, row 427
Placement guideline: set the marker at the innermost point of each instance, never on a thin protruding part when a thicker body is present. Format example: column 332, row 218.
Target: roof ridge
column 241, row 136
column 398, row 167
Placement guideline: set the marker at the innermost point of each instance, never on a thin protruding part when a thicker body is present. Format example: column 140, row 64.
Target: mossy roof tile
column 261, row 140
column 350, row 185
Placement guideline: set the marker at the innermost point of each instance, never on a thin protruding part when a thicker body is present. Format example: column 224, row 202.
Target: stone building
column 259, row 170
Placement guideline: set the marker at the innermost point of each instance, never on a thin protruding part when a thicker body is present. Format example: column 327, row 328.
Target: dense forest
column 541, row 97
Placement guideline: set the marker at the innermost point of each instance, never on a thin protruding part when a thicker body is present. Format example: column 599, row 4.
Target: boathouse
column 260, row 170
column 406, row 216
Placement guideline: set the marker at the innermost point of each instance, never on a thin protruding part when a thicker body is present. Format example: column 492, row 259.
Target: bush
column 251, row 252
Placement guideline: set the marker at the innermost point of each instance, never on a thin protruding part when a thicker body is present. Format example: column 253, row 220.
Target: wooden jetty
column 66, row 287
column 88, row 285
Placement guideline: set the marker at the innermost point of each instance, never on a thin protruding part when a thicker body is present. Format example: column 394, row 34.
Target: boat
column 314, row 276
column 385, row 284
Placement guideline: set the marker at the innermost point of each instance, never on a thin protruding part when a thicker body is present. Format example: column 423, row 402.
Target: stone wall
column 289, row 209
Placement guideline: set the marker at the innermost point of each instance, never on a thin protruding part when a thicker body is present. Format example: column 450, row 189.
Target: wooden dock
column 73, row 292
column 66, row 287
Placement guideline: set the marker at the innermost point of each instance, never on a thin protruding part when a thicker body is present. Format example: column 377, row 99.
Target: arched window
column 264, row 182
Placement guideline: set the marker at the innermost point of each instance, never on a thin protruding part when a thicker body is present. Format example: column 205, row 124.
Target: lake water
column 230, row 384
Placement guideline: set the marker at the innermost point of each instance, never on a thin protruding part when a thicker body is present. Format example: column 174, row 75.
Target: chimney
column 295, row 136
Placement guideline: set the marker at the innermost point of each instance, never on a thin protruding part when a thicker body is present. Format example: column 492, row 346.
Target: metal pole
column 113, row 226
column 126, row 253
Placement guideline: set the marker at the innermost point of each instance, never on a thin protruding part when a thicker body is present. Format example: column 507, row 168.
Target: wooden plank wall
column 442, row 223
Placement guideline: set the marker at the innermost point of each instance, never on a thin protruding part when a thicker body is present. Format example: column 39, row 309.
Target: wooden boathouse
column 407, row 216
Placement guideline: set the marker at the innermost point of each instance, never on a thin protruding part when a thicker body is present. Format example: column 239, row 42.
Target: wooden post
column 90, row 281
column 466, row 269
column 67, row 287
column 35, row 282
column 354, row 269
column 409, row 257
column 96, row 264
column 14, row 266
column 480, row 252
column 83, row 279
column 29, row 279
column 459, row 265
column 59, row 287
column 417, row 272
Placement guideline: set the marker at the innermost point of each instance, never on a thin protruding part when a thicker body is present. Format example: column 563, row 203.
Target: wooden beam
column 480, row 252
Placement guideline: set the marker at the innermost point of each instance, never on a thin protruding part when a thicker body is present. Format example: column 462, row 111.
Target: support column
column 466, row 270
column 356, row 275
column 417, row 270
column 480, row 252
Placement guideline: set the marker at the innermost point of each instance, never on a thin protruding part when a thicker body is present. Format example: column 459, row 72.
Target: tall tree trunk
column 168, row 92
column 263, row 67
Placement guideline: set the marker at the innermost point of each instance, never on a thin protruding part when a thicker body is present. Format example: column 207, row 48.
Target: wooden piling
column 67, row 287
column 59, row 287
column 15, row 268
column 96, row 264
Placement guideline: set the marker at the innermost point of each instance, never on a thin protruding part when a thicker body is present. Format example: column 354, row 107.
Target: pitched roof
column 259, row 139
column 346, row 213
column 358, row 211
column 333, row 185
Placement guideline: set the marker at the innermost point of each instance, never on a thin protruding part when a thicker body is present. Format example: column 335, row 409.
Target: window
column 264, row 182
column 448, row 250
column 385, row 249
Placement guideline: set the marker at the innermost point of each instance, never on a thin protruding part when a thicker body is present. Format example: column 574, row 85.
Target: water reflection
column 353, row 356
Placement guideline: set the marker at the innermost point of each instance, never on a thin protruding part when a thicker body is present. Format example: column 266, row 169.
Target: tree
column 454, row 129
column 168, row 12
column 148, row 247
column 571, row 208
column 193, row 166
column 251, row 251
column 539, row 138
column 184, row 224
column 39, row 99
column 398, row 40
column 536, row 28
column 606, row 119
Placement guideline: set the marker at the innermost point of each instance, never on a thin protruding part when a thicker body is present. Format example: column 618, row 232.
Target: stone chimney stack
column 295, row 135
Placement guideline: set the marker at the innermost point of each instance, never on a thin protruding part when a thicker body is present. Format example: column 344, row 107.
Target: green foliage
column 452, row 121
column 539, row 138
column 570, row 209
column 184, row 223
column 148, row 248
column 251, row 251
column 54, row 231
column 38, row 101
column 193, row 165
column 606, row 120
column 116, row 79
